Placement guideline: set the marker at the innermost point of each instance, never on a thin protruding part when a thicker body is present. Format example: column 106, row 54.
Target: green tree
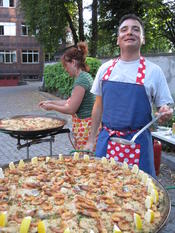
column 49, row 19
column 94, row 35
column 110, row 12
column 80, row 20
column 159, row 18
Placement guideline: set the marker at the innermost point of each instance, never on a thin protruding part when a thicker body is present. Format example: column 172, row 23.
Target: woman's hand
column 167, row 113
column 43, row 103
column 46, row 105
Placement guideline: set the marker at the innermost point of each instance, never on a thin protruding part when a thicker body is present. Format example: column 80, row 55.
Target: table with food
column 165, row 134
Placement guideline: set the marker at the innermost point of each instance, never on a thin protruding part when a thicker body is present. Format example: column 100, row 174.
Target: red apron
column 81, row 129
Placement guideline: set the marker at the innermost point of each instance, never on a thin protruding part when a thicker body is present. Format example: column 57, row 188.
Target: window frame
column 2, row 30
column 9, row 28
column 7, row 56
column 8, row 3
column 13, row 3
column 23, row 25
column 30, row 56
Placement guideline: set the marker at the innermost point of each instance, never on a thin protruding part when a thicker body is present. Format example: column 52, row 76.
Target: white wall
column 167, row 63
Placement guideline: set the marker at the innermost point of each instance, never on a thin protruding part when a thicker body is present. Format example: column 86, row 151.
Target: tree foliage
column 48, row 20
column 157, row 16
column 94, row 35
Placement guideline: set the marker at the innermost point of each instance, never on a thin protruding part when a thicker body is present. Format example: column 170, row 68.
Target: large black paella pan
column 32, row 126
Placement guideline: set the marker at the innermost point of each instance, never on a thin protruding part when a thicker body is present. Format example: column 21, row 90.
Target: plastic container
column 173, row 130
column 157, row 145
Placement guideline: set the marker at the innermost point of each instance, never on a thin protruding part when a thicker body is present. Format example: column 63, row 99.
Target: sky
column 86, row 12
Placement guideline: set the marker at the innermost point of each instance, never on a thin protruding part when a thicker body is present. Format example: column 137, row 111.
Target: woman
column 80, row 104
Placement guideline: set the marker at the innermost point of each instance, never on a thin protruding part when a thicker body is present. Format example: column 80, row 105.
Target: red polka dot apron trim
column 127, row 153
column 118, row 133
column 121, row 153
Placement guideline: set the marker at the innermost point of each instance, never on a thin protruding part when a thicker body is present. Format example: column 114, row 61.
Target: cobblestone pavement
column 24, row 100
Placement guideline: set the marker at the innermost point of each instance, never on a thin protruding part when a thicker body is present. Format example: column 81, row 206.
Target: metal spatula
column 132, row 141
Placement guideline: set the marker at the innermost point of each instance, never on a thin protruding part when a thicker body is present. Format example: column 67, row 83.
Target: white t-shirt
column 155, row 82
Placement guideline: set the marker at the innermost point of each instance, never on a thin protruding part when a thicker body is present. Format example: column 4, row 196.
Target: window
column 30, row 56
column 7, row 3
column 30, row 77
column 11, row 3
column 7, row 56
column 7, row 29
column 24, row 30
column 1, row 30
column 47, row 57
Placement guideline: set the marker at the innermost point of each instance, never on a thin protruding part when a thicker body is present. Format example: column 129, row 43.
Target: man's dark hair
column 131, row 16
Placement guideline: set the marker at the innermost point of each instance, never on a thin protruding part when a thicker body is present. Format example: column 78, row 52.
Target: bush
column 58, row 81
column 93, row 64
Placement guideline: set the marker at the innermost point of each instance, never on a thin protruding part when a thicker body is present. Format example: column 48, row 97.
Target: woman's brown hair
column 77, row 53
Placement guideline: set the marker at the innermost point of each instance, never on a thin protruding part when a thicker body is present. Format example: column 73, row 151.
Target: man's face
column 130, row 34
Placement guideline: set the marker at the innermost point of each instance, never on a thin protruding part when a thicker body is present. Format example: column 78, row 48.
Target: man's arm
column 96, row 120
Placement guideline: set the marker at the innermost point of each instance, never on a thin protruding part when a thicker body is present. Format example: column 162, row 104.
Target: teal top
column 85, row 80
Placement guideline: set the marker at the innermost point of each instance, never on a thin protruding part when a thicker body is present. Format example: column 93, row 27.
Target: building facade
column 21, row 56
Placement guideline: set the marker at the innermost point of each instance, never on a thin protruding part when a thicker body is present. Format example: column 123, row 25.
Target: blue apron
column 126, row 107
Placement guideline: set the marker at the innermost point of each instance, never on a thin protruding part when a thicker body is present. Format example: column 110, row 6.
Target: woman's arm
column 58, row 102
column 71, row 106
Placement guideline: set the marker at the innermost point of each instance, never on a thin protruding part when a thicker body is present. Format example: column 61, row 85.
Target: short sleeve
column 83, row 81
column 97, row 85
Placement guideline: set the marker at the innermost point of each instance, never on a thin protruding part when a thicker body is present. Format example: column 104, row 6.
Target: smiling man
column 125, row 90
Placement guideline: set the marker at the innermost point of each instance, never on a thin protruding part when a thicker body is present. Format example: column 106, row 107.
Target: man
column 125, row 89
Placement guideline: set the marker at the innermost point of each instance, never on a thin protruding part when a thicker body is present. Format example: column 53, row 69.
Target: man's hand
column 168, row 112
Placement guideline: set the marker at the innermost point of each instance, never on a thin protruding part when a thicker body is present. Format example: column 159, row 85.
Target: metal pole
column 51, row 146
column 27, row 150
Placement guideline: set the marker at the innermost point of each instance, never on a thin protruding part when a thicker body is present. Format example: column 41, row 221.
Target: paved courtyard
column 24, row 100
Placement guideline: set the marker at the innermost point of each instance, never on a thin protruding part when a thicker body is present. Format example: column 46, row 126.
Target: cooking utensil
column 132, row 141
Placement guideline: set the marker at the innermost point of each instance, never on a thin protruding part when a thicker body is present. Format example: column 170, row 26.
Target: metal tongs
column 132, row 141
